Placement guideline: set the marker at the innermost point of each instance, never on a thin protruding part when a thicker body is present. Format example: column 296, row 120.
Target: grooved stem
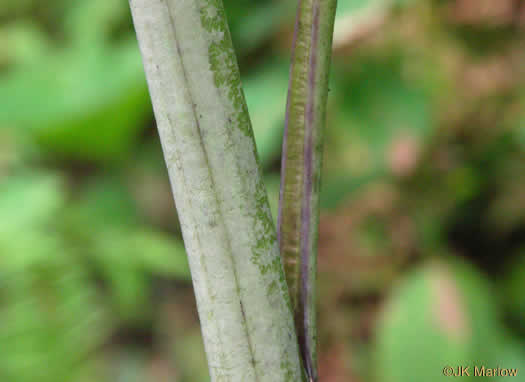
column 208, row 145
column 298, row 220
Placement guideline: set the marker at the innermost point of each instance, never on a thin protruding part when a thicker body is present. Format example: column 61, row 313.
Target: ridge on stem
column 298, row 219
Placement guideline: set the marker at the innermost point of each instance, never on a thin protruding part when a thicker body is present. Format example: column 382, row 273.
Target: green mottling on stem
column 209, row 147
column 223, row 61
column 224, row 66
column 272, row 288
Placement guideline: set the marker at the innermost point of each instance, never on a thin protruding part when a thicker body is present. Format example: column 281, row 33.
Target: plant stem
column 301, row 165
column 208, row 144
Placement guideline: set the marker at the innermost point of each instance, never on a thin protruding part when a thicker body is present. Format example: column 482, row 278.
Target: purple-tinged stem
column 298, row 221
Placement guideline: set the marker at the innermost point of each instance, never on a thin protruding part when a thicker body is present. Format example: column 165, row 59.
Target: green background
column 422, row 244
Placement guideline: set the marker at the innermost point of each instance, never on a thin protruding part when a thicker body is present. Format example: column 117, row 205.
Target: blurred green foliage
column 443, row 312
column 423, row 216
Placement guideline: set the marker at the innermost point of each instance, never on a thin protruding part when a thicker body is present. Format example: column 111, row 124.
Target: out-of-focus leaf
column 259, row 24
column 512, row 356
column 21, row 43
column 29, row 202
column 253, row 23
column 82, row 16
column 150, row 187
column 106, row 222
column 437, row 317
column 128, row 258
column 104, row 202
column 357, row 18
column 190, row 357
column 52, row 319
column 130, row 366
column 86, row 100
column 513, row 290
column 381, row 108
column 81, row 104
column 344, row 8
column 381, row 124
column 273, row 183
column 266, row 99
column 161, row 255
column 108, row 213
column 9, row 7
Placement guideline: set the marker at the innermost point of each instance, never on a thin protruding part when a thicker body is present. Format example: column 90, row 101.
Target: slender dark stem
column 301, row 166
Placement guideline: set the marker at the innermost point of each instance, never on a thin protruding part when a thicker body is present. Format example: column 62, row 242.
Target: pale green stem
column 208, row 144
column 301, row 166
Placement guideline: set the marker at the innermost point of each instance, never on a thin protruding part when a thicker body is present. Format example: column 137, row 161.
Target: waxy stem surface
column 208, row 144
